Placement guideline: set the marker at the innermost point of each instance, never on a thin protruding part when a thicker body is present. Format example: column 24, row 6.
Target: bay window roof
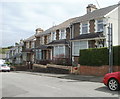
column 88, row 36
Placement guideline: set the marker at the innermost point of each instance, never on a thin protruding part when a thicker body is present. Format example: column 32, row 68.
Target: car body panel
column 115, row 75
column 4, row 67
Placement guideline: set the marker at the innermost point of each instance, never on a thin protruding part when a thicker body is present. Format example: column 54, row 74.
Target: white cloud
column 22, row 17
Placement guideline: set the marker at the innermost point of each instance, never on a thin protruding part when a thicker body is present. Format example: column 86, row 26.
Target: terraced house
column 15, row 55
column 91, row 29
column 52, row 45
column 61, row 44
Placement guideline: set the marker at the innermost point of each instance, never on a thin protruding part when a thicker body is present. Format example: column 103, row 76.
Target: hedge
column 99, row 56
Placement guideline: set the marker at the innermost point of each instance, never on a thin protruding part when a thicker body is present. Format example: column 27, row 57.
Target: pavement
column 67, row 76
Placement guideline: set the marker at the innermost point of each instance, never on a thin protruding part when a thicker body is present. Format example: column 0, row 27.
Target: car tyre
column 113, row 85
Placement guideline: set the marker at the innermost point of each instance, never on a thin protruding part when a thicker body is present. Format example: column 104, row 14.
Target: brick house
column 28, row 51
column 15, row 55
column 53, row 44
column 64, row 41
column 90, row 30
column 42, row 51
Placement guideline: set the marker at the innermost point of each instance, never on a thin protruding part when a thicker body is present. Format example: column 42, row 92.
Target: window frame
column 87, row 27
column 58, row 51
column 100, row 23
column 80, row 44
column 62, row 34
column 53, row 36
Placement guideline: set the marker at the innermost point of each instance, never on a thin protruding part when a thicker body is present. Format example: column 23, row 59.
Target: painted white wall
column 113, row 18
column 119, row 25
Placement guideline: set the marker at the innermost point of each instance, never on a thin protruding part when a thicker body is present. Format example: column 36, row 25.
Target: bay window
column 38, row 54
column 59, row 51
column 77, row 45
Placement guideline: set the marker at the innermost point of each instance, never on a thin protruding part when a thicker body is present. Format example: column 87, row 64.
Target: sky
column 20, row 18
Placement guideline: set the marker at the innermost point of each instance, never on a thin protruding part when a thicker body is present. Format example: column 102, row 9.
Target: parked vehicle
column 2, row 61
column 112, row 80
column 4, row 67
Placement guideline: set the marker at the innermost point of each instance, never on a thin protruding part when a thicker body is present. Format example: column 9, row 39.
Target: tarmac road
column 28, row 85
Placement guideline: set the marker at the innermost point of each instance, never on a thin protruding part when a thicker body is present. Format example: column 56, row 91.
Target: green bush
column 99, row 56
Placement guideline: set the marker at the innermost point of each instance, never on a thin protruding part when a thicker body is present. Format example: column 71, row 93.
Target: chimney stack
column 39, row 30
column 91, row 8
column 119, row 3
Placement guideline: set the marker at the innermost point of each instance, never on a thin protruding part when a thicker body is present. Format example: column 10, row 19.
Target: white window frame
column 48, row 39
column 73, row 47
column 62, row 34
column 32, row 44
column 38, row 54
column 58, row 51
column 27, row 45
column 99, row 24
column 53, row 36
column 81, row 27
column 42, row 40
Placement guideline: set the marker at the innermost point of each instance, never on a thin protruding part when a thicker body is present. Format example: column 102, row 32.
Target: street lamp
column 110, row 45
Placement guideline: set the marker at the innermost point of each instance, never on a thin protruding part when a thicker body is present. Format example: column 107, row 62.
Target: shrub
column 99, row 56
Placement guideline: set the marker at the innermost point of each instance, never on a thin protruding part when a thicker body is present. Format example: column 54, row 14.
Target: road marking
column 52, row 87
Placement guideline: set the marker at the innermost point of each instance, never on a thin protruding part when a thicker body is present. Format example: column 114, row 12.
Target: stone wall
column 52, row 68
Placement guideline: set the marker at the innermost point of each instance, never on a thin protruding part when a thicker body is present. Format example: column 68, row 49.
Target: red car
column 112, row 80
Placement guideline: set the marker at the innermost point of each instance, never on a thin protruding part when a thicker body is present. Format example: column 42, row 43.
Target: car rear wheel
column 113, row 84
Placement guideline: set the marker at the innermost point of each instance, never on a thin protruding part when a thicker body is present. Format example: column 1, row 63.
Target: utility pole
column 110, row 47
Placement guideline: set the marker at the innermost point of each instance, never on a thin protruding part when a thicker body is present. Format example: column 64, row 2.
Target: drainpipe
column 70, row 44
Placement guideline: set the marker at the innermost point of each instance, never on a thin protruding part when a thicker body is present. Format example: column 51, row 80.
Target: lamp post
column 110, row 47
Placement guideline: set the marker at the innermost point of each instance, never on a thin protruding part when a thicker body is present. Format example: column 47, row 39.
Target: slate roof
column 89, row 36
column 28, row 50
column 43, row 47
column 57, row 42
column 66, row 23
column 60, row 26
column 52, row 29
column 99, row 13
column 30, row 38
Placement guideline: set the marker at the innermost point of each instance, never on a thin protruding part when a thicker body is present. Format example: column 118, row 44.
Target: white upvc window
column 59, row 51
column 100, row 25
column 84, row 28
column 62, row 34
column 38, row 54
column 77, row 45
column 42, row 40
column 20, row 49
column 53, row 35
column 33, row 44
column 48, row 38
column 27, row 44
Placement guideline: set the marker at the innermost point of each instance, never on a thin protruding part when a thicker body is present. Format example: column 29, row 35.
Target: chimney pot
column 91, row 8
column 39, row 30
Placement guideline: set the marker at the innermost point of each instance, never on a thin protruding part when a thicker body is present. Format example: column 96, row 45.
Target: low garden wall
column 19, row 68
column 95, row 70
column 52, row 68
